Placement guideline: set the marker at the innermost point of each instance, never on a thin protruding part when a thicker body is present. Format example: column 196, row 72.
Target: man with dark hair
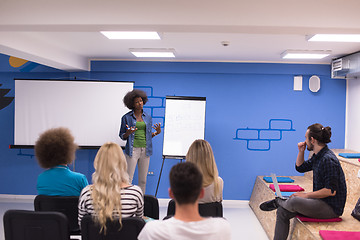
column 327, row 200
column 186, row 189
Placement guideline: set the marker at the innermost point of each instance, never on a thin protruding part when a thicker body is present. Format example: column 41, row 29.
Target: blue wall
column 254, row 119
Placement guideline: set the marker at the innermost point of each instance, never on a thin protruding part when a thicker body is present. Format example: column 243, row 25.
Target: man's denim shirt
column 130, row 120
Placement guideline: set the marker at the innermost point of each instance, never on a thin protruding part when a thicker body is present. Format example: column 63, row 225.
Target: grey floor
column 243, row 222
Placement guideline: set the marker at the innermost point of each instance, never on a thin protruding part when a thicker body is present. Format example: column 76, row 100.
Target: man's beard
column 310, row 147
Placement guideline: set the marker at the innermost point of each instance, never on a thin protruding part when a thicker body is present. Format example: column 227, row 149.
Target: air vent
column 337, row 65
column 340, row 67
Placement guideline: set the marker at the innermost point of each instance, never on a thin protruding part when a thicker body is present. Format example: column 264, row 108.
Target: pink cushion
column 287, row 188
column 307, row 219
column 334, row 235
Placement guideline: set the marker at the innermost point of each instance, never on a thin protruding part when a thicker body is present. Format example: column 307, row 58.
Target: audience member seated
column 200, row 153
column 54, row 149
column 327, row 200
column 186, row 189
column 111, row 196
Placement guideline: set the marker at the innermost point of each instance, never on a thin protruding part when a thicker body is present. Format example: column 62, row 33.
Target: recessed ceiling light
column 153, row 52
column 334, row 38
column 130, row 35
column 305, row 54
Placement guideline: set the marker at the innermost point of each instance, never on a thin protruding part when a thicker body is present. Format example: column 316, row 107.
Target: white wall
column 352, row 132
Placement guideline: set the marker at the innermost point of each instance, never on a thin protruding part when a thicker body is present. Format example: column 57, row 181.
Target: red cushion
column 307, row 219
column 334, row 235
column 287, row 188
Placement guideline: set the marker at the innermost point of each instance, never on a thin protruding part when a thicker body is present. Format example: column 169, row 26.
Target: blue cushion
column 287, row 194
column 279, row 179
column 350, row 155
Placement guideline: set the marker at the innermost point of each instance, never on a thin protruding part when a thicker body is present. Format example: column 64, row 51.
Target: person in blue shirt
column 136, row 130
column 327, row 200
column 54, row 149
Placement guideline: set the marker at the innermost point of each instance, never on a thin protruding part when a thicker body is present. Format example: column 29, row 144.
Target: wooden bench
column 310, row 230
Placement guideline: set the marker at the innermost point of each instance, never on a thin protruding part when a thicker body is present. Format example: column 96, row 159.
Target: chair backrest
column 65, row 205
column 151, row 206
column 131, row 227
column 171, row 208
column 213, row 209
column 31, row 225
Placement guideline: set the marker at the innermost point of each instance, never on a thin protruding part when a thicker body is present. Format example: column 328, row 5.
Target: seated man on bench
column 327, row 200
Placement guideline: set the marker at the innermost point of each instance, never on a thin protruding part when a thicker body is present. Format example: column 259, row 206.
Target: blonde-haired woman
column 201, row 153
column 110, row 196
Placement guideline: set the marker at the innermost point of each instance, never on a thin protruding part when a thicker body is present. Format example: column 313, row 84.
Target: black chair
column 213, row 209
column 65, row 205
column 131, row 228
column 31, row 225
column 151, row 206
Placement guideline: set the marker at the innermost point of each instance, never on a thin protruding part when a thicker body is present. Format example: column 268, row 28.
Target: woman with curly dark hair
column 136, row 129
column 54, row 149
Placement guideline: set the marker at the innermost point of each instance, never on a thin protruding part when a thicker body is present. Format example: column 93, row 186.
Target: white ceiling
column 65, row 34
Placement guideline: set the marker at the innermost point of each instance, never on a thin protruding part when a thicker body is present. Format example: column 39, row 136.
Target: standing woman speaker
column 136, row 130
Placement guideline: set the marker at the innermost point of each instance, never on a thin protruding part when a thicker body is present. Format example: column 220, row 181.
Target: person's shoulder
column 134, row 188
column 85, row 193
column 42, row 174
column 155, row 223
column 47, row 173
column 146, row 114
column 330, row 156
column 127, row 114
column 220, row 179
column 76, row 175
column 218, row 221
column 155, row 230
column 86, row 190
column 41, row 179
column 80, row 176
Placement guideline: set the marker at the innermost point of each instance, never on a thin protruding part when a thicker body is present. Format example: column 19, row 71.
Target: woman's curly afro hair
column 54, row 147
column 130, row 96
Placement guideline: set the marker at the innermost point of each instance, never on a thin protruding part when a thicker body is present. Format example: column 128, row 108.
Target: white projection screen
column 92, row 110
column 184, row 123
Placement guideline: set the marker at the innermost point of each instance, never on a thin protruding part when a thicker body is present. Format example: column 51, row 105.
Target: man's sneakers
column 271, row 204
